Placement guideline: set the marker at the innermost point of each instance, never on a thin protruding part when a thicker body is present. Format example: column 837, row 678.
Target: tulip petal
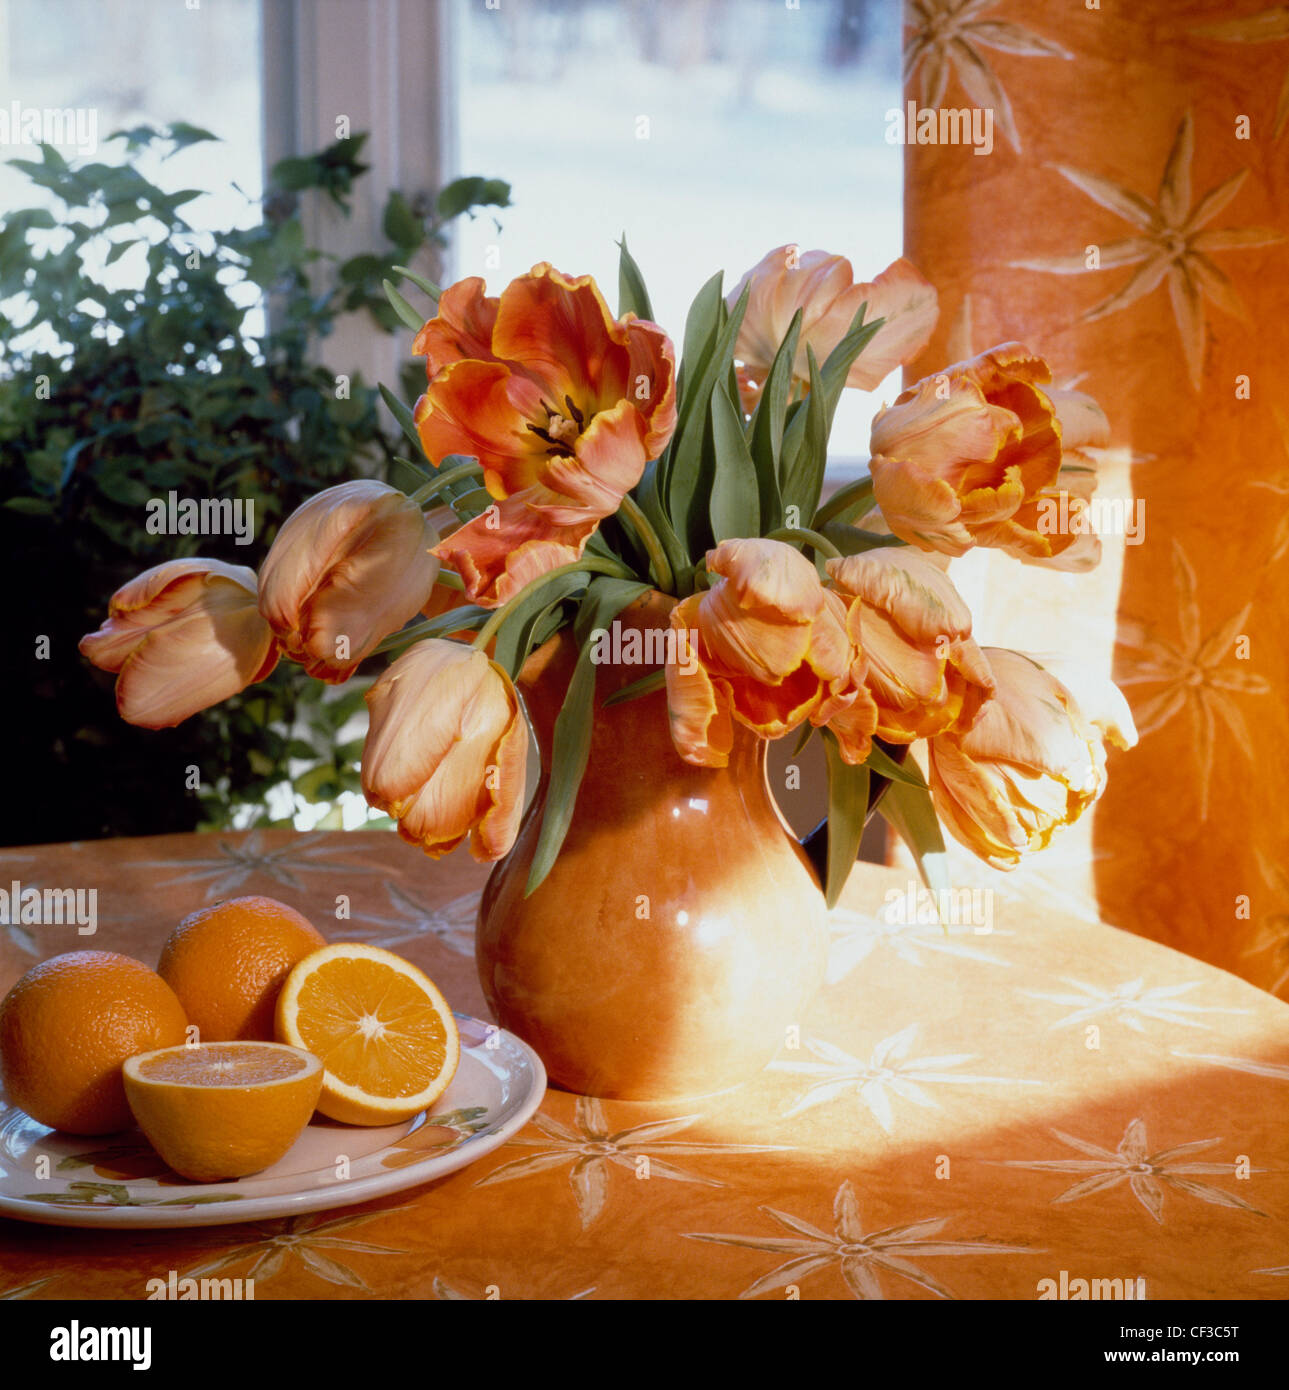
column 510, row 545
column 347, row 568
column 484, row 410
column 698, row 706
column 907, row 302
column 559, row 327
column 462, row 328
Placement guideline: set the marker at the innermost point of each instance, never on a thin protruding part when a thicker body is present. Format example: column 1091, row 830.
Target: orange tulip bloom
column 766, row 645
column 349, row 566
column 924, row 671
column 562, row 404
column 447, row 750
column 1060, row 512
column 182, row 636
column 822, row 287
column 962, row 457
column 1033, row 761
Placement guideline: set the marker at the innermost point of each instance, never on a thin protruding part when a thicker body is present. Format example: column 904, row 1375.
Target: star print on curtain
column 1131, row 224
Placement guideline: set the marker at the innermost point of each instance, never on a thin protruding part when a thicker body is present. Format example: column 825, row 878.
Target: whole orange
column 68, row 1025
column 227, row 964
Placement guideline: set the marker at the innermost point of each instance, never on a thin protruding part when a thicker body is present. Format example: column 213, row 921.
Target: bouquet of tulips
column 579, row 466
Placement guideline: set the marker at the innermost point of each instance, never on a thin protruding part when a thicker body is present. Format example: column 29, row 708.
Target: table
column 967, row 1115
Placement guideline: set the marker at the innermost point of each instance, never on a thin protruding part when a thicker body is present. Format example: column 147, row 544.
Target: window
column 710, row 131
column 113, row 64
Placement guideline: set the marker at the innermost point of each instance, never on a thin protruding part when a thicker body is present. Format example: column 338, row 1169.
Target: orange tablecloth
column 966, row 1115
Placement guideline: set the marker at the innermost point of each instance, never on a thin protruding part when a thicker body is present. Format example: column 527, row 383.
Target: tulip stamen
column 559, row 447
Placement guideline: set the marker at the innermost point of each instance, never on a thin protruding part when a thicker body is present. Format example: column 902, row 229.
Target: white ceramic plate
column 117, row 1179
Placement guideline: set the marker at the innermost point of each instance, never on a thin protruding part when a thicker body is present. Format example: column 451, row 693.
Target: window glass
column 710, row 131
column 90, row 67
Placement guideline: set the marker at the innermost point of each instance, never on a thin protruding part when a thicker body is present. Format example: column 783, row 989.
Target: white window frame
column 386, row 66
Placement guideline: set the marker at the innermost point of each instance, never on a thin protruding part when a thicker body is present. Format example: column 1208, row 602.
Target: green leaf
column 475, row 502
column 646, row 685
column 851, row 503
column 605, row 599
column 183, row 135
column 633, row 297
column 735, row 505
column 400, row 224
column 884, row 765
column 702, row 325
column 463, row 194
column 808, row 732
column 119, row 248
column 515, row 634
column 847, row 812
column 768, row 420
column 402, row 308
column 850, row 540
column 684, row 494
column 30, row 506
column 805, row 448
column 421, row 283
column 402, row 414
column 911, row 812
column 646, row 494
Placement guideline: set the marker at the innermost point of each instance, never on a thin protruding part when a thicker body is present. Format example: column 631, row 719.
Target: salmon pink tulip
column 1032, row 762
column 447, row 750
column 767, row 646
column 348, row 567
column 822, row 287
column 182, row 636
column 924, row 671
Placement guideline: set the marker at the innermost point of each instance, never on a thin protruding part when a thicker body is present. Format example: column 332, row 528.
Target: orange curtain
column 1130, row 224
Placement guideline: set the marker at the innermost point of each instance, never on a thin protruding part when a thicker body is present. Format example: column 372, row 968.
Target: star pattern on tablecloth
column 311, row 1240
column 1147, row 1173
column 452, row 1293
column 854, row 937
column 451, row 924
column 1132, row 1003
column 860, row 1256
column 233, row 865
column 947, row 38
column 592, row 1149
column 889, row 1072
column 1171, row 243
column 21, row 1291
column 1273, row 1071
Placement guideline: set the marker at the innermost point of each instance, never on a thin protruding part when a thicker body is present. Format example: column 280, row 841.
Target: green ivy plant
column 112, row 396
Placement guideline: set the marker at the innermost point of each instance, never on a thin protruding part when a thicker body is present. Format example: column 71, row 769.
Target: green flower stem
column 588, row 564
column 802, row 536
column 855, row 498
column 450, row 579
column 436, row 484
column 639, row 523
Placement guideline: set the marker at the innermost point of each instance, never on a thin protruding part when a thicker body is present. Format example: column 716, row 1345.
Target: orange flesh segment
column 372, row 1027
column 232, row 1065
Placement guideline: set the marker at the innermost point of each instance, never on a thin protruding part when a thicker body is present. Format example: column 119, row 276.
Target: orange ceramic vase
column 680, row 932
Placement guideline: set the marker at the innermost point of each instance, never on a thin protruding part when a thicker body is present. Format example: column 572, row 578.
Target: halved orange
column 223, row 1109
column 385, row 1034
